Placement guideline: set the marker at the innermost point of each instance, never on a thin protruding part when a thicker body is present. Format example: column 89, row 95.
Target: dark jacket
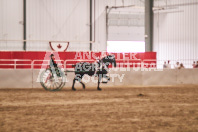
column 53, row 63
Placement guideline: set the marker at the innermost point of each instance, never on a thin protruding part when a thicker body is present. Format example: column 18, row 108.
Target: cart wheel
column 52, row 82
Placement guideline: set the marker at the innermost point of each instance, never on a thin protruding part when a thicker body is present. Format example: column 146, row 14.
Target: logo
column 59, row 46
column 56, row 46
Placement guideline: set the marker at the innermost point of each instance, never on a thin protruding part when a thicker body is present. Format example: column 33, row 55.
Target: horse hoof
column 99, row 89
column 73, row 89
column 83, row 86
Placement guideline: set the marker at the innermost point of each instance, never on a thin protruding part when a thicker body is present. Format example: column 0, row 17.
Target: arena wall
column 27, row 78
column 65, row 20
column 175, row 30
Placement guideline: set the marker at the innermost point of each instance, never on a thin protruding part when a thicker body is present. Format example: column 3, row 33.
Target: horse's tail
column 74, row 65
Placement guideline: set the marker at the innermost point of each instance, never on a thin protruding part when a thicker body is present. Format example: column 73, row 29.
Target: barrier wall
column 27, row 78
column 10, row 78
column 9, row 57
column 40, row 55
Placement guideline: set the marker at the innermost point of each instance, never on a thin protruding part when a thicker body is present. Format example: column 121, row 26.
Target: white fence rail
column 147, row 63
column 15, row 62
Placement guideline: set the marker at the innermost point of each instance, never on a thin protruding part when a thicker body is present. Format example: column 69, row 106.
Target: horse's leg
column 99, row 79
column 107, row 77
column 80, row 80
column 82, row 84
column 74, row 80
column 78, row 77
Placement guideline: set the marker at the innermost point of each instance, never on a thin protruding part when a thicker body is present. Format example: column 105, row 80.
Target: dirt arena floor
column 156, row 109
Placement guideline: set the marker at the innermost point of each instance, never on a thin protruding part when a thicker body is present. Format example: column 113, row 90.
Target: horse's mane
column 108, row 57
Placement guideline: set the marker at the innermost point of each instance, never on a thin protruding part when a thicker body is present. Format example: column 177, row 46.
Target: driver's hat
column 51, row 55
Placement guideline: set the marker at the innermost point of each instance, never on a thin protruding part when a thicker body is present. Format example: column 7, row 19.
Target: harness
column 100, row 66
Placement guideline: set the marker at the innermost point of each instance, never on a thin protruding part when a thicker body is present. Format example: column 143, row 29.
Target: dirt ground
column 156, row 109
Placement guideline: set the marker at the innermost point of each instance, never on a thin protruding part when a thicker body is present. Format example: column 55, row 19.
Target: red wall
column 67, row 55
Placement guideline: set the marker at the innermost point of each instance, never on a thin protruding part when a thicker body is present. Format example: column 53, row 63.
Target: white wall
column 118, row 32
column 63, row 20
column 126, row 24
column 66, row 20
column 27, row 78
column 11, row 24
column 176, row 30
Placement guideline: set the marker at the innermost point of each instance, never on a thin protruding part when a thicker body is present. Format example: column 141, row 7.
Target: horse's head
column 109, row 59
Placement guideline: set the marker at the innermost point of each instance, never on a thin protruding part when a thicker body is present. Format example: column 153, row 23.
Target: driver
column 54, row 66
